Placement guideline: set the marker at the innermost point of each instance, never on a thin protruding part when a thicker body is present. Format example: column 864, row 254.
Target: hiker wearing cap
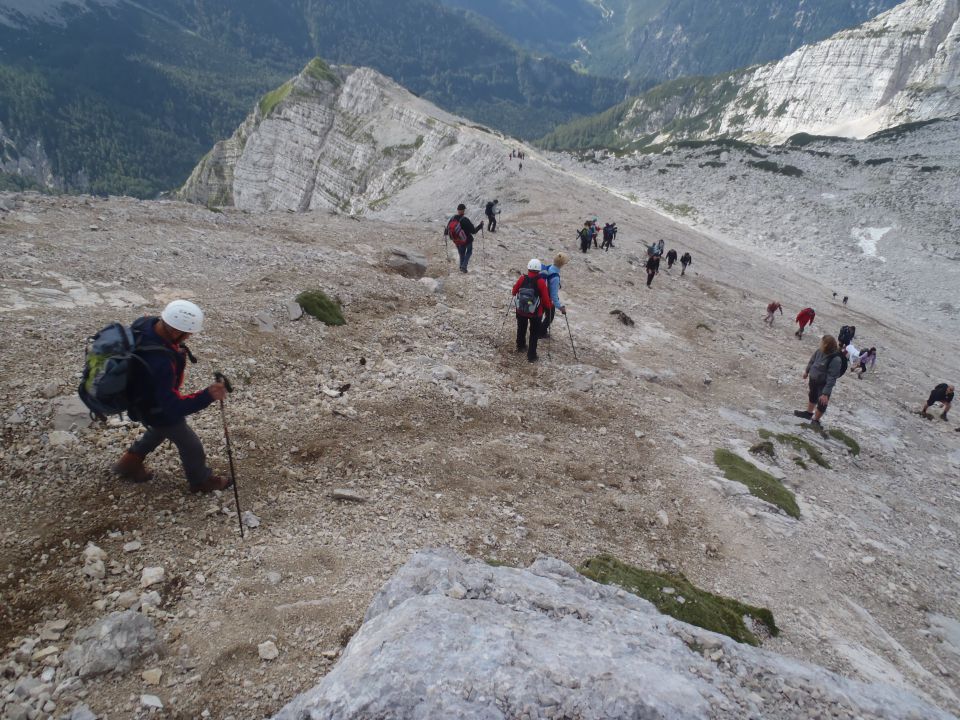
column 551, row 275
column 805, row 317
column 531, row 300
column 771, row 311
column 943, row 394
column 824, row 368
column 685, row 260
column 461, row 231
column 159, row 404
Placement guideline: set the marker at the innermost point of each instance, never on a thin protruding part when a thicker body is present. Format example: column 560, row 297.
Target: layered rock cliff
column 345, row 138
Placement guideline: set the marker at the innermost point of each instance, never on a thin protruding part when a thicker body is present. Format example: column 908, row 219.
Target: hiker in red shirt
column 805, row 317
column 531, row 298
column 771, row 310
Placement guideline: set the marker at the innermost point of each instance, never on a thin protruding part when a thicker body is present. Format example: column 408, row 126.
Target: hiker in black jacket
column 465, row 250
column 824, row 368
column 685, row 260
column 491, row 213
column 671, row 258
column 943, row 394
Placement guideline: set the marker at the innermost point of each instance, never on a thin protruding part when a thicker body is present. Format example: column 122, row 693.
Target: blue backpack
column 111, row 356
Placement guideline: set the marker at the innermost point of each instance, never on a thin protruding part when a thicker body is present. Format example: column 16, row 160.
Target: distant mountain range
column 901, row 67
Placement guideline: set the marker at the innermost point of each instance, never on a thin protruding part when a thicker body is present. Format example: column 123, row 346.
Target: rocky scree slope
column 446, row 437
column 343, row 138
column 900, row 67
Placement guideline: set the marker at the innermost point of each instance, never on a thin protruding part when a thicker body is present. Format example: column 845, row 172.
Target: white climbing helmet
column 534, row 265
column 184, row 316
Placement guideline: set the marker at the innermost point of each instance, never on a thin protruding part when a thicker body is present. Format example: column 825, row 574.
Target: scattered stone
column 264, row 322
column 116, row 643
column 15, row 418
column 445, row 372
column 268, row 650
column 408, row 263
column 662, row 518
column 132, row 546
column 868, row 560
column 61, row 438
column 151, row 576
column 152, row 676
column 151, row 701
column 50, row 390
column 294, row 311
column 274, row 578
column 431, row 284
column 81, row 712
column 249, row 519
column 623, row 317
column 69, row 414
column 127, row 599
column 347, row 495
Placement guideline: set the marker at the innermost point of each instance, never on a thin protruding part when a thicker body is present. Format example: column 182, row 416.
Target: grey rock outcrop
column 448, row 637
column 408, row 263
column 115, row 643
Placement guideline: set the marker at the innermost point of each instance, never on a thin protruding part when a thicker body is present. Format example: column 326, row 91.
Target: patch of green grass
column 319, row 70
column 269, row 102
column 699, row 607
column 852, row 445
column 763, row 485
column 317, row 304
column 798, row 444
column 763, row 448
column 799, row 461
column 678, row 209
column 493, row 562
column 704, row 326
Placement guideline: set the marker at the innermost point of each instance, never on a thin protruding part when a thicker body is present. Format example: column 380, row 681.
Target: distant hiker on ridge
column 685, row 260
column 461, row 231
column 158, row 403
column 771, row 311
column 491, row 212
column 671, row 258
column 825, row 367
column 531, row 300
column 943, row 394
column 805, row 317
column 551, row 274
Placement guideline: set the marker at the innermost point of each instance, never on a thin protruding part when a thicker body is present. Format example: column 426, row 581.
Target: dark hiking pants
column 546, row 321
column 492, row 223
column 534, row 324
column 465, row 252
column 188, row 445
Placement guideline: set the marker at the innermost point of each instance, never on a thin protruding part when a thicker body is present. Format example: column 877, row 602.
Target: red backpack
column 455, row 232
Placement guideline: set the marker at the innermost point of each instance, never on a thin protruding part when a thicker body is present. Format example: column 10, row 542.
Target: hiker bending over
column 805, row 317
column 461, row 231
column 771, row 311
column 653, row 267
column 825, row 367
column 671, row 258
column 868, row 359
column 156, row 400
column 551, row 275
column 531, row 300
column 943, row 394
column 491, row 212
column 685, row 260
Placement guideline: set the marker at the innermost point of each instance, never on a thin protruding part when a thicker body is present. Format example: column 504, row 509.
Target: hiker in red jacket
column 531, row 298
column 805, row 317
column 771, row 310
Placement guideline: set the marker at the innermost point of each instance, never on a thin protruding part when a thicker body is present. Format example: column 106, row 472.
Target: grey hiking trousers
column 188, row 444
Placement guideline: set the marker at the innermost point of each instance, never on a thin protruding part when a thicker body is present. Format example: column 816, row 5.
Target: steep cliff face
column 900, row 67
column 340, row 138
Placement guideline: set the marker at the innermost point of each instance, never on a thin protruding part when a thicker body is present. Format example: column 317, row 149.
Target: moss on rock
column 682, row 600
column 798, row 444
column 763, row 485
column 852, row 445
column 317, row 304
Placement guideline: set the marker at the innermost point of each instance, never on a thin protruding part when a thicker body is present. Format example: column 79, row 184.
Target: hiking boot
column 212, row 483
column 943, row 417
column 815, row 424
column 532, row 358
column 805, row 414
column 131, row 468
column 925, row 415
column 521, row 348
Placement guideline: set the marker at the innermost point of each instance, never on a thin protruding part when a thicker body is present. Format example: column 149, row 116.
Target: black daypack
column 846, row 334
column 584, row 239
column 528, row 298
column 844, row 362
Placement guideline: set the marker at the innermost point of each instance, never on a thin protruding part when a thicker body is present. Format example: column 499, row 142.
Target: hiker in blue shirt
column 551, row 274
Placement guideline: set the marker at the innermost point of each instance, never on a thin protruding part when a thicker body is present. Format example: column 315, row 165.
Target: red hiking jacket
column 545, row 303
column 805, row 316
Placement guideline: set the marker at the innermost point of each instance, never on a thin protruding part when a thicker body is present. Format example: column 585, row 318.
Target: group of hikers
column 140, row 370
column 588, row 234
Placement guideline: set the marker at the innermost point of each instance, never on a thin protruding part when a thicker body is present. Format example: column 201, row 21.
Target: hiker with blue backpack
column 551, row 274
column 152, row 367
column 461, row 231
column 531, row 299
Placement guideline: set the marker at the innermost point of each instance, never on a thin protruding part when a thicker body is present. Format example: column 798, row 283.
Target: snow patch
column 868, row 239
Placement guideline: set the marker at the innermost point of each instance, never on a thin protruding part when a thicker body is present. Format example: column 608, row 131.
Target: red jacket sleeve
column 516, row 285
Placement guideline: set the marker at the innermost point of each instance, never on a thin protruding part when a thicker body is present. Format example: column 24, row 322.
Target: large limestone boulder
column 408, row 263
column 454, row 638
column 115, row 643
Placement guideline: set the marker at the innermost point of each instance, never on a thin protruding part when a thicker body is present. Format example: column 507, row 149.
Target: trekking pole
column 221, row 378
column 572, row 346
column 504, row 323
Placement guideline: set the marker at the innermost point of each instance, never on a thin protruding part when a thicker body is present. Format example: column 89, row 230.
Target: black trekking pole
column 572, row 346
column 504, row 323
column 221, row 378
